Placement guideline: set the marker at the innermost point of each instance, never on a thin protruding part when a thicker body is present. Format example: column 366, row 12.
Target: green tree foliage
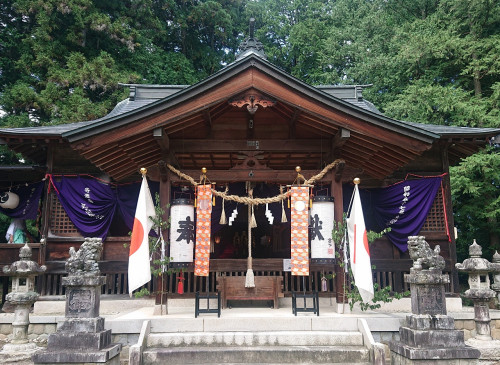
column 429, row 61
column 62, row 61
column 476, row 198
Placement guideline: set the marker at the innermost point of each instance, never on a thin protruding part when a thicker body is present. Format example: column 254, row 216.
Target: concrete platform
column 125, row 317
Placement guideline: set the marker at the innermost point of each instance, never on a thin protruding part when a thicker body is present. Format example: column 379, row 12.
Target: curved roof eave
column 108, row 123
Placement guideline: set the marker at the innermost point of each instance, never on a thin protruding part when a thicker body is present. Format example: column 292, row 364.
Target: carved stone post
column 81, row 338
column 23, row 296
column 479, row 290
column 429, row 332
column 496, row 277
column 480, row 293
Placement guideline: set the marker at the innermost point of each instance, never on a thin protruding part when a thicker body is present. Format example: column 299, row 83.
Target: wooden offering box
column 266, row 288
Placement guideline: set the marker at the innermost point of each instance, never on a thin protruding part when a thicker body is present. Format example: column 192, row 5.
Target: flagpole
column 356, row 181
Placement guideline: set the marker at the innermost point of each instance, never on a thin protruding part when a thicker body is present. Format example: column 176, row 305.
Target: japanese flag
column 139, row 272
column 359, row 250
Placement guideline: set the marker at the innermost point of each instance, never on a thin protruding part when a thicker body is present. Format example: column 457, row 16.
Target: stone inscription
column 430, row 300
column 80, row 301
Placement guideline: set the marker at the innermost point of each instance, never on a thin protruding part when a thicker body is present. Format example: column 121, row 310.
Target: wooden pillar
column 165, row 193
column 450, row 222
column 45, row 219
column 336, row 188
column 46, row 205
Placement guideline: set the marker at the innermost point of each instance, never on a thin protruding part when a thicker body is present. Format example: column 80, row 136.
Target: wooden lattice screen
column 60, row 224
column 436, row 221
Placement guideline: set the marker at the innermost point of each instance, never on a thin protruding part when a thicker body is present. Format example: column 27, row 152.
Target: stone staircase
column 282, row 347
column 297, row 340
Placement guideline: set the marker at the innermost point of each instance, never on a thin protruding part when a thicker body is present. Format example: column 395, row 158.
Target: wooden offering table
column 266, row 288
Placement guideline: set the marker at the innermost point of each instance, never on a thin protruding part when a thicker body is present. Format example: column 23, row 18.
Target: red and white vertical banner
column 359, row 250
column 300, row 230
column 203, row 228
column 139, row 271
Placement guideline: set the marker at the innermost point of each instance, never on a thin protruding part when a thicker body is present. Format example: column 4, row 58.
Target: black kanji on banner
column 186, row 230
column 316, row 227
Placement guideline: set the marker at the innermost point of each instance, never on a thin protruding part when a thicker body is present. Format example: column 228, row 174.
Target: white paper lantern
column 9, row 200
column 182, row 232
column 321, row 227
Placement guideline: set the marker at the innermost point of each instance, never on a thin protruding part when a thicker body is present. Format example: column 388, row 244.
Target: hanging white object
column 9, row 200
column 182, row 232
column 321, row 227
column 269, row 215
column 233, row 216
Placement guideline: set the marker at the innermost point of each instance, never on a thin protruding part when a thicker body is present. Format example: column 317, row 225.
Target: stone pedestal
column 429, row 335
column 81, row 337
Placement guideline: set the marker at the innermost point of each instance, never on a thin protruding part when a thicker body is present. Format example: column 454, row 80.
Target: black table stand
column 315, row 301
column 199, row 310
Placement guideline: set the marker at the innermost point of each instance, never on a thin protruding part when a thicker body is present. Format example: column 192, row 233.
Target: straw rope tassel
column 253, row 222
column 223, row 219
column 249, row 279
column 283, row 213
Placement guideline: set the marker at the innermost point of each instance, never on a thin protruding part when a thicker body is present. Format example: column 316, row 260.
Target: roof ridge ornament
column 251, row 44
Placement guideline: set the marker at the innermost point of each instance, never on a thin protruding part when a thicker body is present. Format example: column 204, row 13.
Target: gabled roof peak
column 251, row 44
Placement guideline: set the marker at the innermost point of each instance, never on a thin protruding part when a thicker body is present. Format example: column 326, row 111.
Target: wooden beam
column 340, row 137
column 208, row 118
column 339, row 170
column 337, row 141
column 279, row 176
column 224, row 145
column 162, row 139
column 293, row 123
column 250, row 126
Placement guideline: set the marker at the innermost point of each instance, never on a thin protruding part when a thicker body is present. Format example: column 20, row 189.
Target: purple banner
column 404, row 207
column 90, row 204
column 127, row 196
column 29, row 198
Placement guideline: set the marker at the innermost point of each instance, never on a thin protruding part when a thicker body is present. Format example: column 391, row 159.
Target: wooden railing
column 117, row 279
column 386, row 272
column 391, row 273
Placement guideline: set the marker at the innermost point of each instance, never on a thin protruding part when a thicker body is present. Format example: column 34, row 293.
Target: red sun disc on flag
column 137, row 236
column 365, row 241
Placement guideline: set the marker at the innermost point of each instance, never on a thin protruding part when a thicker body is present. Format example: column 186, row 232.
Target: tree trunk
column 477, row 79
column 494, row 236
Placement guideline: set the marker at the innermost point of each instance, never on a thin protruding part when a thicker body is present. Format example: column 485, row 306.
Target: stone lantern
column 496, row 276
column 479, row 290
column 22, row 297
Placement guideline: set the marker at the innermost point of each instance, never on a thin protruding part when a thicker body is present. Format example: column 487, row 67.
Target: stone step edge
column 288, row 363
column 215, row 349
column 237, row 338
column 213, row 355
column 253, row 333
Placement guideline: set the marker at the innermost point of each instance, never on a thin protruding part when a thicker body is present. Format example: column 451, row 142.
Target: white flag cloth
column 358, row 249
column 139, row 271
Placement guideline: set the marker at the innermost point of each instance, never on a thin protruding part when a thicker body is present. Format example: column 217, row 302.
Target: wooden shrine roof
column 210, row 124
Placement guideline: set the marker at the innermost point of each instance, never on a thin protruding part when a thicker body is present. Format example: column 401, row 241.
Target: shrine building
column 250, row 125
